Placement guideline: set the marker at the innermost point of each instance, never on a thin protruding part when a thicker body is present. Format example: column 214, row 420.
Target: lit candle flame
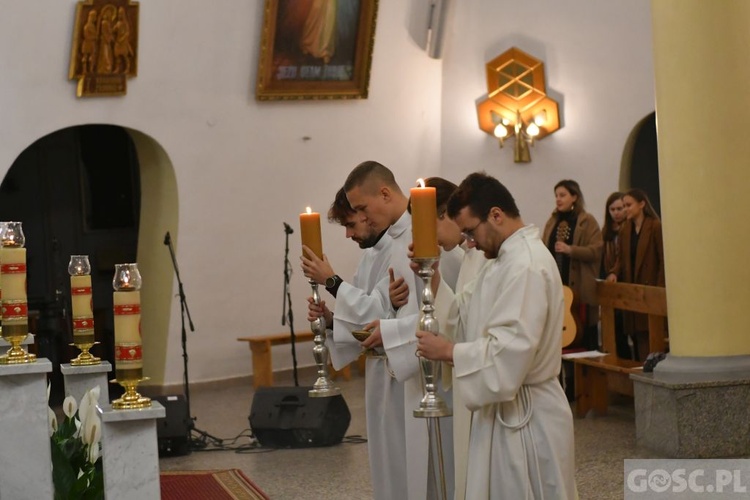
column 309, row 210
column 420, row 181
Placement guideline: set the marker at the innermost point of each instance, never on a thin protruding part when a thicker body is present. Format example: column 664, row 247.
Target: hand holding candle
column 424, row 221
column 309, row 224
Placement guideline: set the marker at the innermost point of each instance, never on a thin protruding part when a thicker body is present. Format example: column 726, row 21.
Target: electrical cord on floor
column 354, row 439
column 244, row 442
column 252, row 445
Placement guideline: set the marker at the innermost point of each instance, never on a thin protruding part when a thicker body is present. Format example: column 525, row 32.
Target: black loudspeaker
column 286, row 417
column 173, row 431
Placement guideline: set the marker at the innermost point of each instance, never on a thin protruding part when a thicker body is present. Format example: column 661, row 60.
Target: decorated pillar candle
column 309, row 224
column 82, row 309
column 15, row 311
column 127, row 312
column 424, row 221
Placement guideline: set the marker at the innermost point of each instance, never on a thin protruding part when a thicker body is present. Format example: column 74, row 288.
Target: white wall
column 598, row 65
column 242, row 167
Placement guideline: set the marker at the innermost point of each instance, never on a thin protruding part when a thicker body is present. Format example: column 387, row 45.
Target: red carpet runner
column 209, row 485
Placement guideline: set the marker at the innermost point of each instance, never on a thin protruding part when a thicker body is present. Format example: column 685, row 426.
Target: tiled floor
column 341, row 471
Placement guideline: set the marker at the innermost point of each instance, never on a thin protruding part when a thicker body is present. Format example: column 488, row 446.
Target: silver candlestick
column 323, row 387
column 432, row 406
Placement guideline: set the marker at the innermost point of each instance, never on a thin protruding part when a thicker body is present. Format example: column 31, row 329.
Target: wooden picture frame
column 316, row 49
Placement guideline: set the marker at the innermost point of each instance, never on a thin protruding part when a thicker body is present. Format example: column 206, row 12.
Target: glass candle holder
column 128, row 345
column 82, row 309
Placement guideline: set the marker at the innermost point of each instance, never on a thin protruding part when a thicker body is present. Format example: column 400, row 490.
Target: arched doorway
column 77, row 191
column 107, row 192
column 640, row 168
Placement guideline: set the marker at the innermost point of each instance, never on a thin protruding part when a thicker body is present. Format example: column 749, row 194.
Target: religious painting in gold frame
column 104, row 52
column 316, row 49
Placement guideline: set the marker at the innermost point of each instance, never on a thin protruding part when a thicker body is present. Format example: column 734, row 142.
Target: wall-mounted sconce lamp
column 517, row 103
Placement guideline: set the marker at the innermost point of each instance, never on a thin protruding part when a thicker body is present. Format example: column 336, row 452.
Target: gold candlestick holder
column 85, row 358
column 79, row 269
column 323, row 387
column 16, row 354
column 432, row 406
column 131, row 399
column 15, row 312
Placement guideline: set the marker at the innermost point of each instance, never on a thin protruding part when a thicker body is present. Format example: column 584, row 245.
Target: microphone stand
column 201, row 441
column 287, row 296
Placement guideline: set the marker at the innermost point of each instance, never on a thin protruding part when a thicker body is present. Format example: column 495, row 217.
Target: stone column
column 25, row 457
column 702, row 103
column 80, row 379
column 130, row 452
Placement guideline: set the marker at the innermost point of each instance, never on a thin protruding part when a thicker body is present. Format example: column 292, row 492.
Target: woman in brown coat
column 614, row 216
column 574, row 238
column 640, row 259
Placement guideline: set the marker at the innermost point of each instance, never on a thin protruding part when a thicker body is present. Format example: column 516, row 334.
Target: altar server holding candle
column 398, row 443
column 507, row 362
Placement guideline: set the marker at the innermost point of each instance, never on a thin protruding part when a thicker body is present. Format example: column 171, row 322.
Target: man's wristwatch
column 333, row 282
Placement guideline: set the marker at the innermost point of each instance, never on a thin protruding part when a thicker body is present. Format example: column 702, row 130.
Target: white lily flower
column 77, row 433
column 52, row 419
column 94, row 393
column 70, row 407
column 88, row 404
column 49, row 386
column 93, row 454
column 92, row 430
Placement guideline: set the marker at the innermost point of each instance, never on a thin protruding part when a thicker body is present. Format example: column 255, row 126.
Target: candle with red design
column 14, row 309
column 127, row 309
column 81, row 302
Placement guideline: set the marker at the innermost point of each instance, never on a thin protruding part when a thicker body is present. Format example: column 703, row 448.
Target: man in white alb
column 372, row 266
column 506, row 367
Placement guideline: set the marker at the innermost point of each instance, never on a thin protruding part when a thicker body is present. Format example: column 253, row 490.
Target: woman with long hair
column 574, row 238
column 614, row 216
column 640, row 259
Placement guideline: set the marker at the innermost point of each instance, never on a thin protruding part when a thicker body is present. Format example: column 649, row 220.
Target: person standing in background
column 575, row 240
column 640, row 260
column 614, row 216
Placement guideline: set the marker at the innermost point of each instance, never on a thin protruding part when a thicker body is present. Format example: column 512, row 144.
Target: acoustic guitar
column 570, row 328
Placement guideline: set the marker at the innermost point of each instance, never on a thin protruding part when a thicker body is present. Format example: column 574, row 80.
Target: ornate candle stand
column 323, row 387
column 79, row 269
column 15, row 312
column 128, row 346
column 432, row 406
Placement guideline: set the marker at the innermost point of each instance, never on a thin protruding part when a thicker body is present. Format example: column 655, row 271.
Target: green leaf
column 63, row 475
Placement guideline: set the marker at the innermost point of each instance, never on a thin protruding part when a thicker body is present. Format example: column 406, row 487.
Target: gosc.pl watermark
column 689, row 478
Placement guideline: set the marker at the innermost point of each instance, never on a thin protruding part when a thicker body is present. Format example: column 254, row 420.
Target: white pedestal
column 130, row 452
column 25, row 457
column 80, row 379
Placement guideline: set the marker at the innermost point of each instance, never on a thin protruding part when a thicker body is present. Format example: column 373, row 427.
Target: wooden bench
column 260, row 347
column 595, row 378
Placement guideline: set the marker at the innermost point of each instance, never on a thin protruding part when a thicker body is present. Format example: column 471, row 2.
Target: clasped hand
column 315, row 311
